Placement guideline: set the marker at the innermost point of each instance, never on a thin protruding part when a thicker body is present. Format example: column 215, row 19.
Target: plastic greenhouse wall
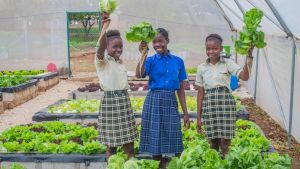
column 274, row 62
column 296, row 116
column 274, row 78
column 34, row 33
column 187, row 28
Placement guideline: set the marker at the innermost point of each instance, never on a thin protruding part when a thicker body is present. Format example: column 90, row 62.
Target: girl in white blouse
column 216, row 104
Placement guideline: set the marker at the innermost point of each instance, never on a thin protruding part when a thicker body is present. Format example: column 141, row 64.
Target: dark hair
column 214, row 37
column 112, row 34
column 163, row 32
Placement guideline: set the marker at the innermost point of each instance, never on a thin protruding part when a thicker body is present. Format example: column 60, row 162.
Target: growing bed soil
column 274, row 132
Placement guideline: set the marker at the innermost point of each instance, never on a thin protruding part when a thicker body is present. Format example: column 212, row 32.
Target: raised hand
column 143, row 47
column 104, row 19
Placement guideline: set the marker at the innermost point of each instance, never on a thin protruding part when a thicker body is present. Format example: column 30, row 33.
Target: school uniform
column 161, row 126
column 219, row 107
column 116, row 123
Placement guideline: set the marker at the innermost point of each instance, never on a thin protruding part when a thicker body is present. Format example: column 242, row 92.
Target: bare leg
column 225, row 143
column 129, row 149
column 160, row 159
column 215, row 143
column 178, row 154
column 157, row 157
column 110, row 151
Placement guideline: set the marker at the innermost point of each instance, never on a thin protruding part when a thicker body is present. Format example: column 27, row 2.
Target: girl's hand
column 104, row 18
column 143, row 46
column 186, row 121
column 199, row 124
column 195, row 86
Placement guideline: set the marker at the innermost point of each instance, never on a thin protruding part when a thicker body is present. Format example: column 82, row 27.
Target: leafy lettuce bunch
column 108, row 6
column 250, row 36
column 141, row 32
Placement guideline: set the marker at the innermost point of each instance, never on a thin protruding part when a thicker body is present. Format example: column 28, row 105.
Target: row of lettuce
column 92, row 106
column 245, row 152
column 14, row 78
column 10, row 81
column 22, row 72
column 58, row 137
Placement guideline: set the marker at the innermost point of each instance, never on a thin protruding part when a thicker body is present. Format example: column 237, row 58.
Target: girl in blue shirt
column 161, row 126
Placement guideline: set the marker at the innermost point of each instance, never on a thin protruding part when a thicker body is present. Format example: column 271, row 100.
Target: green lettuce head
column 108, row 6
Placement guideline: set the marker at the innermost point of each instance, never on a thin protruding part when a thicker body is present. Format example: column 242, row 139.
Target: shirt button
column 167, row 70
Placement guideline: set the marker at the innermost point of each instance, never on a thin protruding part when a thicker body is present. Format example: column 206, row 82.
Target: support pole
column 68, row 46
column 290, row 34
column 256, row 75
column 292, row 95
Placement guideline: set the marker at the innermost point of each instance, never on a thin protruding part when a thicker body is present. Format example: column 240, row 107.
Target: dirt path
column 22, row 114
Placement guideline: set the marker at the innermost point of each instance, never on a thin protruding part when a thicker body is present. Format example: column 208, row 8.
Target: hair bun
column 214, row 36
column 111, row 33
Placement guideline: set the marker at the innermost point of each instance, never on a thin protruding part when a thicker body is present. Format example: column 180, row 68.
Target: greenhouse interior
column 140, row 84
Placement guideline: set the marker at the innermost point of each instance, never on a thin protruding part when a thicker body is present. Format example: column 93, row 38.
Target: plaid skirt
column 161, row 126
column 219, row 113
column 116, row 123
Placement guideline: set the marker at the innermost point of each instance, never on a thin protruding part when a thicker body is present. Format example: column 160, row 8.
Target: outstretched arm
column 101, row 43
column 182, row 101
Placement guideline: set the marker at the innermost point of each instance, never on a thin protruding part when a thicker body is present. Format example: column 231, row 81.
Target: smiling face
column 160, row 44
column 213, row 49
column 115, row 47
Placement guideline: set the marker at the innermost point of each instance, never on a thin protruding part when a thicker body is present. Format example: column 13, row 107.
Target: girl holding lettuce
column 216, row 104
column 116, row 123
column 161, row 125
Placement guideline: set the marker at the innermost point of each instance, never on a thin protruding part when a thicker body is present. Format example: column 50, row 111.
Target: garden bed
column 47, row 80
column 16, row 95
column 274, row 132
column 52, row 145
column 87, row 116
column 55, row 161
column 99, row 94
column 192, row 77
column 69, row 152
column 22, row 72
column 1, row 104
column 45, row 76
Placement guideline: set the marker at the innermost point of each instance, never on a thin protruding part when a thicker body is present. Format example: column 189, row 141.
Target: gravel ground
column 22, row 114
